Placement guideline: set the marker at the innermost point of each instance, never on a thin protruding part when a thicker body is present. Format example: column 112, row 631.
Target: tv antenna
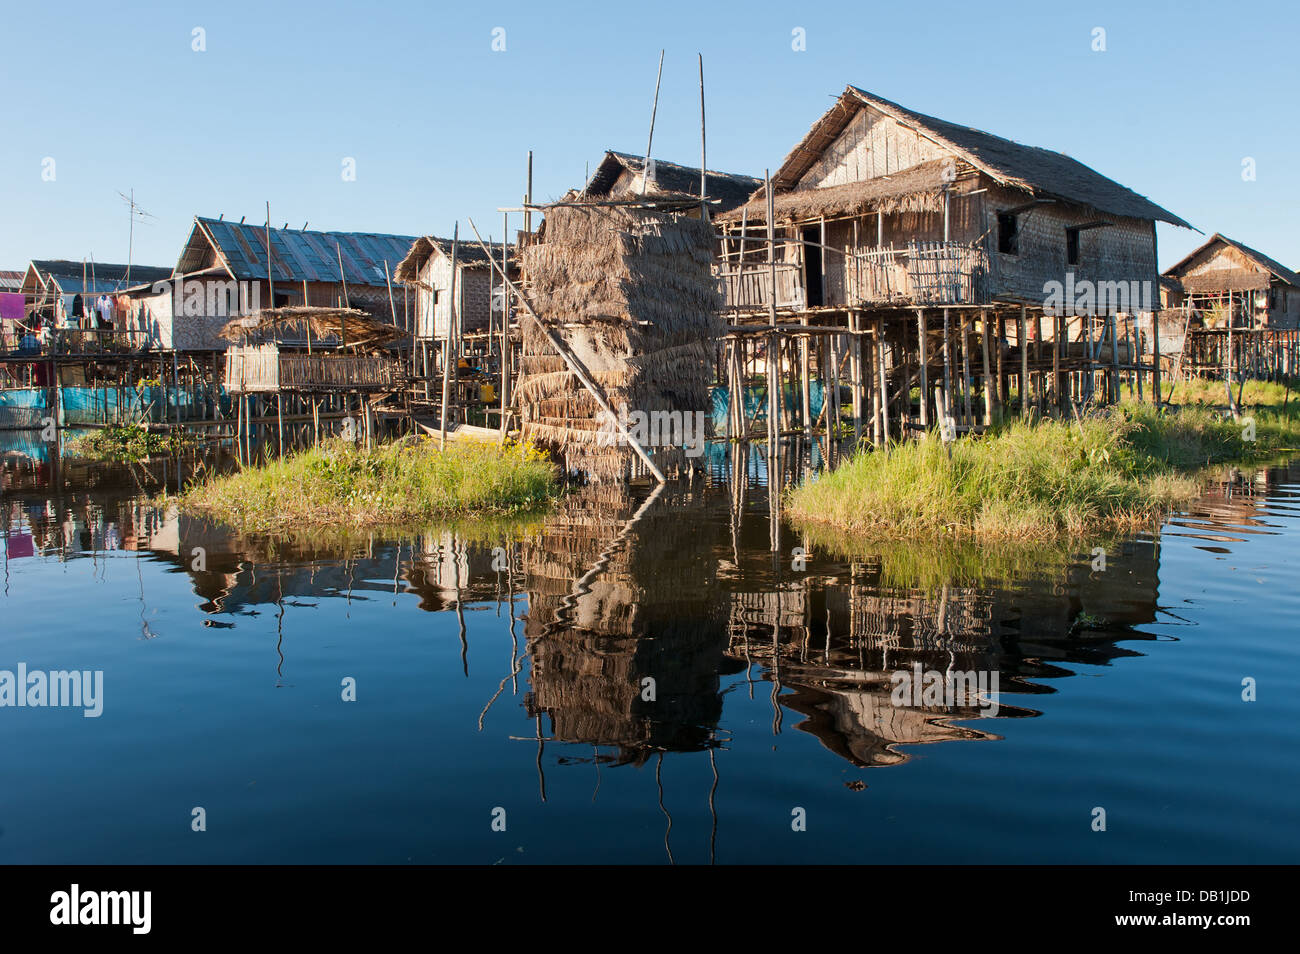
column 136, row 212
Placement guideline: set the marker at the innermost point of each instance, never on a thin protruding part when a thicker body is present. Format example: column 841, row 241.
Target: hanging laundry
column 104, row 308
column 12, row 305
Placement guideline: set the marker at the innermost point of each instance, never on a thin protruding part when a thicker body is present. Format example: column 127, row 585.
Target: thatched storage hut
column 627, row 290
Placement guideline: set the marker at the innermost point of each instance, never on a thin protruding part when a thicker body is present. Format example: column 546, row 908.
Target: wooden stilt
column 1022, row 341
column 985, row 338
column 969, row 417
column 922, row 345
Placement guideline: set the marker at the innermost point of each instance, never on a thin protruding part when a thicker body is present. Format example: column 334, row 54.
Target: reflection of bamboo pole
column 574, row 365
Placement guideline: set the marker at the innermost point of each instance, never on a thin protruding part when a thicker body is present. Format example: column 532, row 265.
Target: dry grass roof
column 728, row 189
column 355, row 327
column 1272, row 266
column 1012, row 164
column 469, row 254
column 918, row 189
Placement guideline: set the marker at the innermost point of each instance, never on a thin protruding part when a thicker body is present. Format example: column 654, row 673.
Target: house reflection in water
column 622, row 592
column 644, row 609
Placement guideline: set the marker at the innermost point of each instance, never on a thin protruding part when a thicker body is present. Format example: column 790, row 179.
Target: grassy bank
column 1255, row 394
column 339, row 485
column 124, row 442
column 1116, row 471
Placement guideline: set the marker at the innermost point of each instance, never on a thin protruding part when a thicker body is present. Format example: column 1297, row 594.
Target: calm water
column 507, row 668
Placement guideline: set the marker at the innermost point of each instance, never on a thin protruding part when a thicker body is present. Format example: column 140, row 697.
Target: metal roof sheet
column 298, row 255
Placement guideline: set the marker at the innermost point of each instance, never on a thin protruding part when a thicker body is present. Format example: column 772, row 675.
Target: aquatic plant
column 124, row 442
column 1116, row 470
column 339, row 485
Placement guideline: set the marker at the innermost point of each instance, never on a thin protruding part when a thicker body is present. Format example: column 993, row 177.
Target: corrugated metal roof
column 10, row 280
column 298, row 255
column 100, row 277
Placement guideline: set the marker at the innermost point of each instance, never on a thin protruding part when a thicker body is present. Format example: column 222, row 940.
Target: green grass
column 1116, row 470
column 337, row 485
column 124, row 442
column 1269, row 394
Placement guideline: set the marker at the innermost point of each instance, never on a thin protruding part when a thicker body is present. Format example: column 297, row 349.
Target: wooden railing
column 748, row 286
column 262, row 368
column 935, row 273
column 56, row 341
column 919, row 273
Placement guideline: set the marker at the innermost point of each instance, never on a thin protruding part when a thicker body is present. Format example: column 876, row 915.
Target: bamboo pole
column 985, row 338
column 965, row 368
column 946, row 416
column 923, row 348
column 446, row 339
column 645, row 170
column 505, row 320
column 704, row 185
column 884, row 384
column 1024, row 364
column 1114, row 359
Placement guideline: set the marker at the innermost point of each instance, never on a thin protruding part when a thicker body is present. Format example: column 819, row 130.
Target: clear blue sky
column 439, row 124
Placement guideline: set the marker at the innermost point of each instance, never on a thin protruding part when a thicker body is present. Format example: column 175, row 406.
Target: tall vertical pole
column 645, row 170
column 528, row 195
column 270, row 282
column 446, row 340
column 704, row 185
column 505, row 319
column 1021, row 326
column 922, row 346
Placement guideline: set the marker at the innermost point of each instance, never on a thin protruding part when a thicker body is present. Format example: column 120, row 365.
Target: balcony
column 920, row 273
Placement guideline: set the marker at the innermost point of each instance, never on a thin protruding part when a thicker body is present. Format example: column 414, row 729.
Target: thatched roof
column 355, row 327
column 1029, row 168
column 918, row 189
column 1206, row 282
column 728, row 189
column 469, row 254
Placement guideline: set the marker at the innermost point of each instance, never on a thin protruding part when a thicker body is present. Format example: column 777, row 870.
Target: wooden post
column 771, row 246
column 947, row 372
column 882, row 375
column 873, row 374
column 1024, row 364
column 922, row 346
column 965, row 368
column 270, row 281
column 704, row 185
column 1114, row 359
column 446, row 339
column 1058, row 332
column 985, row 338
column 805, row 389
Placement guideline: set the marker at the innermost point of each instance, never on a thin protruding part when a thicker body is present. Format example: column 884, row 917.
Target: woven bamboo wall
column 872, row 145
column 1123, row 250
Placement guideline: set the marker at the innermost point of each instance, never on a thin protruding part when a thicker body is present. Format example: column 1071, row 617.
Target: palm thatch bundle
column 348, row 327
column 918, row 189
column 630, row 292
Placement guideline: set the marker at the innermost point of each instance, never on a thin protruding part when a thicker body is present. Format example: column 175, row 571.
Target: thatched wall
column 630, row 292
